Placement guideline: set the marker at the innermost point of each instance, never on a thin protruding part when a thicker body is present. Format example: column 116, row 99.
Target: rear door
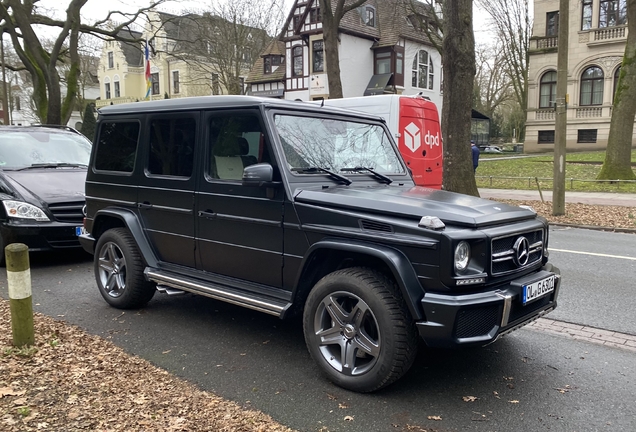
column 166, row 190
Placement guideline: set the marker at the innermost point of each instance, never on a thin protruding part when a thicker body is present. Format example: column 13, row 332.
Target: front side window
column 297, row 61
column 547, row 96
column 172, row 147
column 612, row 13
column 422, row 74
column 586, row 15
column 552, row 24
column 117, row 146
column 592, row 86
column 236, row 141
column 335, row 145
column 318, row 56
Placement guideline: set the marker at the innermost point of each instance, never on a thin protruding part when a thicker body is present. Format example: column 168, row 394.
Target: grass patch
column 581, row 170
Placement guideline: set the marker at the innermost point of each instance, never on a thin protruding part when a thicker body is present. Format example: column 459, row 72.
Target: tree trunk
column 330, row 23
column 459, row 77
column 617, row 164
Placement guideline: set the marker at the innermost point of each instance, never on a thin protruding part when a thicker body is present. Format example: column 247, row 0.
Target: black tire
column 359, row 330
column 119, row 271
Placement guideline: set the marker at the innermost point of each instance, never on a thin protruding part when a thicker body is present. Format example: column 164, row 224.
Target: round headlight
column 462, row 256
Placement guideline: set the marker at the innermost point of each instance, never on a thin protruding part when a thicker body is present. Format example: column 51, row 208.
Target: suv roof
column 231, row 101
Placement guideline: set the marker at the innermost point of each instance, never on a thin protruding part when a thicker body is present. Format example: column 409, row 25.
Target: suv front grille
column 69, row 212
column 517, row 251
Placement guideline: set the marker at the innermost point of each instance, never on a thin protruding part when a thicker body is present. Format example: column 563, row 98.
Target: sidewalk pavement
column 594, row 198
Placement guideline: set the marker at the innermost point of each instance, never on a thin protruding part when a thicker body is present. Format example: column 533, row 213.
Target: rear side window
column 172, row 147
column 117, row 146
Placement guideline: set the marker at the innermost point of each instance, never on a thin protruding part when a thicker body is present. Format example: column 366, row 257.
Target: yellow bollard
column 20, row 299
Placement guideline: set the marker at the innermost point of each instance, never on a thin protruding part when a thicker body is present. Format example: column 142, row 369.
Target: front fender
column 396, row 261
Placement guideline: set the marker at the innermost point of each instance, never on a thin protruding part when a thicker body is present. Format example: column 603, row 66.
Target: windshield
column 335, row 145
column 22, row 149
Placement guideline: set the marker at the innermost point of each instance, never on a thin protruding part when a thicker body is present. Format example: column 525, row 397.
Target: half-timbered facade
column 383, row 49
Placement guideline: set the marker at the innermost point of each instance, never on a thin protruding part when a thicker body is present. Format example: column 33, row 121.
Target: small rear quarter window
column 117, row 145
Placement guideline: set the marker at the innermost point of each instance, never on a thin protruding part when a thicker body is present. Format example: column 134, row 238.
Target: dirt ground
column 72, row 381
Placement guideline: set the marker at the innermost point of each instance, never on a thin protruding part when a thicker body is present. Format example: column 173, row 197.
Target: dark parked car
column 42, row 175
column 293, row 208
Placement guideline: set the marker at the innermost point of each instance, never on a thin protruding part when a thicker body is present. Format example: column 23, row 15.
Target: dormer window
column 369, row 16
column 314, row 16
column 271, row 63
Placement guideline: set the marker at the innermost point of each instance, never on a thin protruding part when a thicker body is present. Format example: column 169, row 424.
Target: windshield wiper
column 53, row 165
column 376, row 174
column 332, row 174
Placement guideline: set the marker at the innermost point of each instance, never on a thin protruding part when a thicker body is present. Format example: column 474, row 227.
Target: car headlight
column 462, row 256
column 22, row 210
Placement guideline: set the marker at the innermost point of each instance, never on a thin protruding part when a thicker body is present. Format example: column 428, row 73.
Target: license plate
column 538, row 289
column 80, row 230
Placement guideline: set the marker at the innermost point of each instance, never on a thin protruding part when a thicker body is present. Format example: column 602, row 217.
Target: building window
column 107, row 90
column 586, row 136
column 552, row 24
column 242, row 85
column 586, row 15
column 154, row 79
column 267, row 65
column 369, row 16
column 548, row 84
column 617, row 74
column 117, row 91
column 314, row 16
column 612, row 13
column 382, row 62
column 175, row 82
column 546, row 137
column 215, row 84
column 592, row 86
column 318, row 56
column 422, row 71
column 111, row 60
column 271, row 63
column 17, row 104
column 297, row 61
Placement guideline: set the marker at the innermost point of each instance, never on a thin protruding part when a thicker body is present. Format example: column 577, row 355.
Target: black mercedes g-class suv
column 289, row 207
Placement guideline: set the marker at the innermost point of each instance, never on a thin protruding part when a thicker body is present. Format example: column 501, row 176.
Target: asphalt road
column 528, row 381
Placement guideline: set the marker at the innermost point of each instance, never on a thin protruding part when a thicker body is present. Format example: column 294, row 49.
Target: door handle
column 144, row 205
column 208, row 214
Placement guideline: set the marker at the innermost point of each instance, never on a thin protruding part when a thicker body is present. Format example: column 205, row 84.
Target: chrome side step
column 172, row 284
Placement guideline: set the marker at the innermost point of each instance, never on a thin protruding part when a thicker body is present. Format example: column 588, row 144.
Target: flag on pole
column 148, row 80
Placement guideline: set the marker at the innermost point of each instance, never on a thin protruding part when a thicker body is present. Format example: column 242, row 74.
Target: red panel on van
column 420, row 141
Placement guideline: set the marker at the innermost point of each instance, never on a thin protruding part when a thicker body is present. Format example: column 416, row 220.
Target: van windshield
column 45, row 148
column 335, row 145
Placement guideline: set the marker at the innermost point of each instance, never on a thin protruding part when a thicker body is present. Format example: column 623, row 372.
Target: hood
column 47, row 185
column 415, row 202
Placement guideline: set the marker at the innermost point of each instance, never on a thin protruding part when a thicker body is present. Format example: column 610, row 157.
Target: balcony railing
column 115, row 101
column 589, row 112
column 544, row 114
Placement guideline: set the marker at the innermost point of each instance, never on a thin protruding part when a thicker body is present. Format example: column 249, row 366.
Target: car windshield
column 35, row 148
column 336, row 145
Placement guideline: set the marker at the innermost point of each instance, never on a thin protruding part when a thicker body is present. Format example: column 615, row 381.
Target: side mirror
column 258, row 175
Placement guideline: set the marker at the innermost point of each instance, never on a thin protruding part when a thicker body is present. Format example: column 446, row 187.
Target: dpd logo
column 431, row 140
column 412, row 137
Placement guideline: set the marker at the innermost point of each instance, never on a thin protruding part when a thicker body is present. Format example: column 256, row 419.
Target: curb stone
column 595, row 227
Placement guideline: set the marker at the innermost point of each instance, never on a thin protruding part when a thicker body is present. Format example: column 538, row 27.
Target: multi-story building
column 189, row 55
column 596, row 43
column 382, row 49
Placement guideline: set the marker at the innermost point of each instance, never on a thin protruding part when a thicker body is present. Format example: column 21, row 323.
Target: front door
column 239, row 231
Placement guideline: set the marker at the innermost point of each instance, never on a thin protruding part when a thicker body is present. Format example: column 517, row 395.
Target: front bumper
column 44, row 236
column 479, row 319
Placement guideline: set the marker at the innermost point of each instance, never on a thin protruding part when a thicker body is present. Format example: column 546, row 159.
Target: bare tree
column 617, row 164
column 511, row 20
column 492, row 84
column 459, row 75
column 227, row 38
column 331, row 17
column 19, row 19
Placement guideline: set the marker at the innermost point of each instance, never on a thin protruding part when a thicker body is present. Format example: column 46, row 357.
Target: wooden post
column 20, row 300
